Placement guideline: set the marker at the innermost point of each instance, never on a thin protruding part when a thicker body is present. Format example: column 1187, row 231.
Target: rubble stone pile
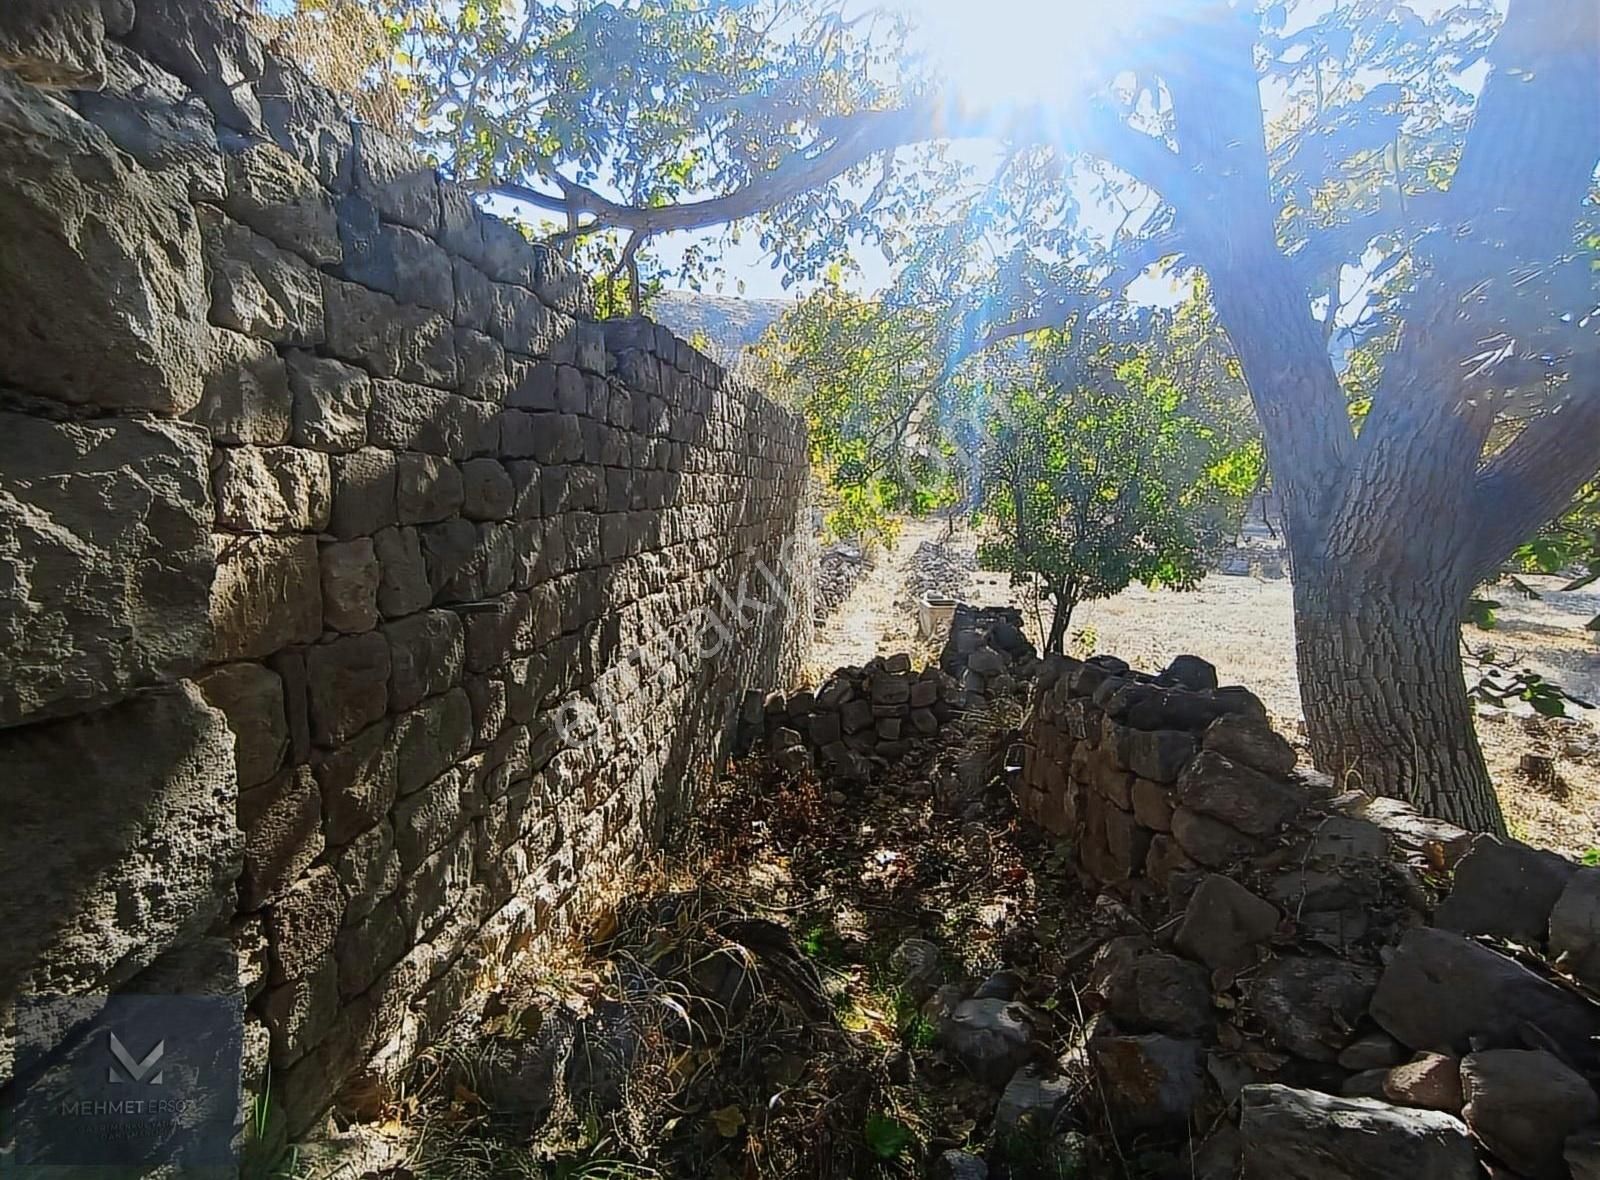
column 989, row 654
column 1343, row 987
column 858, row 721
column 839, row 567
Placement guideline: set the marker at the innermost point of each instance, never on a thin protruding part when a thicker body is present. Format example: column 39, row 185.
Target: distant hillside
column 728, row 324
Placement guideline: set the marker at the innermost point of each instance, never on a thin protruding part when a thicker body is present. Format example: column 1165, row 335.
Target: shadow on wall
column 389, row 497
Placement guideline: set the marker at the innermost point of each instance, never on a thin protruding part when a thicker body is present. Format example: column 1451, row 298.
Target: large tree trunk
column 1386, row 707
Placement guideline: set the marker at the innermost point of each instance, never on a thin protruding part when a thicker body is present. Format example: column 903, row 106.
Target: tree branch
column 851, row 140
column 1536, row 476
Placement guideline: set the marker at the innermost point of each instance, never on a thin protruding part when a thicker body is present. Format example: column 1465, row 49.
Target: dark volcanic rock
column 1302, row 1135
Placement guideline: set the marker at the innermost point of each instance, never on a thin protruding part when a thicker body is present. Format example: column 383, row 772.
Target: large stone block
column 157, row 120
column 1504, row 889
column 1254, row 803
column 267, row 595
column 348, row 685
column 1445, row 994
column 400, row 262
column 251, row 698
column 278, row 197
column 331, row 400
column 430, row 739
column 104, row 281
column 390, row 339
column 273, row 489
column 302, row 924
column 1575, row 927
column 415, row 418
column 403, row 581
column 246, row 397
column 58, row 42
column 105, row 559
column 258, row 288
column 282, row 824
column 1303, row 1135
column 210, row 48
column 428, row 488
column 150, row 855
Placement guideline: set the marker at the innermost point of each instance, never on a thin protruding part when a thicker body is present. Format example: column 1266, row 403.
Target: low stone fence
column 1340, row 985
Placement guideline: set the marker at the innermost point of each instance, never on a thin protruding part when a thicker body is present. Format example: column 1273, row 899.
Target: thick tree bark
column 1386, row 707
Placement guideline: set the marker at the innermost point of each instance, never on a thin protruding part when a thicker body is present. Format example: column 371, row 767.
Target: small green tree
column 1101, row 470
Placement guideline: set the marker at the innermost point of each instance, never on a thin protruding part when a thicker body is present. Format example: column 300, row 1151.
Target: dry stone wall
column 363, row 600
column 1340, row 985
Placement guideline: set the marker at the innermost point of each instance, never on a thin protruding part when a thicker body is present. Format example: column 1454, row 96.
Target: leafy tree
column 1335, row 171
column 1100, row 470
column 868, row 377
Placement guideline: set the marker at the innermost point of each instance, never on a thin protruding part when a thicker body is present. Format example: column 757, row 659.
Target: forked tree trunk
column 1381, row 683
column 1056, row 642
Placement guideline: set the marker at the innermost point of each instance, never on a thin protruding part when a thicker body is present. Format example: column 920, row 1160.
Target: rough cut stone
column 155, row 118
column 251, row 698
column 273, row 489
column 1307, row 1004
column 363, row 492
column 1158, row 755
column 426, row 654
column 258, row 288
column 278, row 197
column 104, row 281
column 282, row 825
column 331, row 400
column 348, row 684
column 1250, row 742
column 267, row 595
column 412, row 417
column 1432, row 1082
column 302, row 924
column 350, row 575
column 150, row 857
column 403, row 581
column 358, row 784
column 1293, row 1134
column 1523, row 1104
column 106, row 557
column 1442, row 993
column 1244, row 799
column 428, row 488
column 246, row 396
column 1504, row 889
column 302, row 1012
column 1224, row 923
column 391, row 339
column 1575, row 927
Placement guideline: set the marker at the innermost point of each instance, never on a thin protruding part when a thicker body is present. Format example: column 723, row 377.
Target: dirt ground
column 1244, row 624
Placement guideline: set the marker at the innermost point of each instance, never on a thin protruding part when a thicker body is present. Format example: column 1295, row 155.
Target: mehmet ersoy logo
column 147, row 1080
column 133, row 1069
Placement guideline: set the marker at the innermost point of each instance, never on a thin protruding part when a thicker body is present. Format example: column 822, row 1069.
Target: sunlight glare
column 1017, row 53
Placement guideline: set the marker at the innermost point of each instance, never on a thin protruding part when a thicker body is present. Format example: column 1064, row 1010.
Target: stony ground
column 1244, row 624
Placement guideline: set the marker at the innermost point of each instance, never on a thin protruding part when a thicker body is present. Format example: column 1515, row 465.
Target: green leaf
column 887, row 1137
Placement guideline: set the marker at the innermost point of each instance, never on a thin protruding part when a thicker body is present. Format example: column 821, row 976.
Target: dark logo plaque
column 145, row 1082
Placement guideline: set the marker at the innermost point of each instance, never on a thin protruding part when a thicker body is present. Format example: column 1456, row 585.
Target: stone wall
column 1334, row 980
column 323, row 500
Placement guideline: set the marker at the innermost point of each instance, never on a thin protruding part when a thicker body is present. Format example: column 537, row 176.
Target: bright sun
column 1019, row 52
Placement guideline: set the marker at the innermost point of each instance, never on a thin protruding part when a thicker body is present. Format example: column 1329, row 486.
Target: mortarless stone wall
column 323, row 497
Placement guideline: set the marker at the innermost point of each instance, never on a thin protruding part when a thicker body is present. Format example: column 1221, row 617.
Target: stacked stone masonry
column 1362, row 991
column 328, row 516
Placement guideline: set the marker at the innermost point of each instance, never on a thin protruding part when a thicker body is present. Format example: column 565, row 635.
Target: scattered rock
column 1432, row 1081
column 1146, row 990
column 991, row 1038
column 1442, row 993
column 1524, row 1104
column 1575, row 927
column 1504, row 889
column 1291, row 1134
column 1372, row 1050
column 1307, row 1004
column 1150, row 1082
column 1223, row 924
column 1032, row 1100
column 959, row 1165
